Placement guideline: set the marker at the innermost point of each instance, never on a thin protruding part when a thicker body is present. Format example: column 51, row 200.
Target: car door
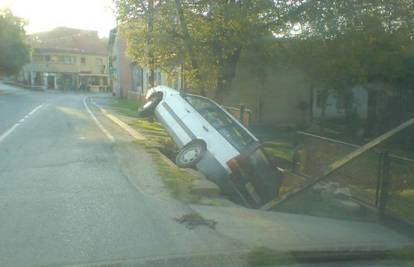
column 202, row 121
column 170, row 112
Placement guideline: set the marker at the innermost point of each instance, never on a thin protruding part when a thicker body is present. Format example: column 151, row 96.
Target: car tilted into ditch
column 213, row 141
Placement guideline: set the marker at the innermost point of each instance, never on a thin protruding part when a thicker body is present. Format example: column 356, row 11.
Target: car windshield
column 206, row 133
column 222, row 122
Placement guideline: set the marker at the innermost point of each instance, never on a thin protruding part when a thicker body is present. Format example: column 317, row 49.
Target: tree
column 205, row 38
column 355, row 42
column 14, row 52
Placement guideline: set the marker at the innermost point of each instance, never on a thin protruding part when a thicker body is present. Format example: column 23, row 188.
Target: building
column 67, row 59
column 128, row 78
column 282, row 99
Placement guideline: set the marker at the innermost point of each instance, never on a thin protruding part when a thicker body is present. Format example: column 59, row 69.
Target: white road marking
column 35, row 109
column 9, row 131
column 110, row 137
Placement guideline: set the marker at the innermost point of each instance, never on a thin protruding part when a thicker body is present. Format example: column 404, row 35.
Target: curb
column 134, row 133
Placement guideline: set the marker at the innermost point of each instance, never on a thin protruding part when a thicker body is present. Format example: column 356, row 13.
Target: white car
column 216, row 143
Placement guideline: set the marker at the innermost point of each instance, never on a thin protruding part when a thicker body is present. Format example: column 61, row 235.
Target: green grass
column 279, row 149
column 128, row 107
column 401, row 204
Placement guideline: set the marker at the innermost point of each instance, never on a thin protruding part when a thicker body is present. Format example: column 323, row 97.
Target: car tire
column 149, row 107
column 191, row 154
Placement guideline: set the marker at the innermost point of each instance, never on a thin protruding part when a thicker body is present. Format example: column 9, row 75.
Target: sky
column 44, row 15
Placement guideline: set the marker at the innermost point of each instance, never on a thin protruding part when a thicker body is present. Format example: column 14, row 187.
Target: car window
column 222, row 122
column 199, row 103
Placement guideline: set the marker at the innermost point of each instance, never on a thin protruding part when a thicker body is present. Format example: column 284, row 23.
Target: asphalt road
column 75, row 190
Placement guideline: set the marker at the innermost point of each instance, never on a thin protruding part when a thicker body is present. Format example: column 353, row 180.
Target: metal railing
column 369, row 178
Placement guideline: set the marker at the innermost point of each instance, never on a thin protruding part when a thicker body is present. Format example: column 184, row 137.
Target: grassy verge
column 127, row 107
column 152, row 130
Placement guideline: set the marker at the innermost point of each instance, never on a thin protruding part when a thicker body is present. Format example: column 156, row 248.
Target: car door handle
column 205, row 128
column 187, row 110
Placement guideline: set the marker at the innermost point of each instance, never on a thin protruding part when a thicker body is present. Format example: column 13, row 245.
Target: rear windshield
column 222, row 122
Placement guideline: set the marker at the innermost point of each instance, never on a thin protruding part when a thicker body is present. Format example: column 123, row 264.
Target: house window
column 47, row 58
column 105, row 81
column 83, row 60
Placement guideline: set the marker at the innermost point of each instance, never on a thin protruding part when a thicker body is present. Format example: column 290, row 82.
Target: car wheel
column 190, row 154
column 148, row 109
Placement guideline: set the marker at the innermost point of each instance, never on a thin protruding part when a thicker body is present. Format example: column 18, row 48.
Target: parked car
column 212, row 140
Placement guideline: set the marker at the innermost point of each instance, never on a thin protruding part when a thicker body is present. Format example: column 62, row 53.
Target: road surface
column 75, row 189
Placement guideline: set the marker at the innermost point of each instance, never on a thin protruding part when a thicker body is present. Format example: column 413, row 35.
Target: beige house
column 67, row 59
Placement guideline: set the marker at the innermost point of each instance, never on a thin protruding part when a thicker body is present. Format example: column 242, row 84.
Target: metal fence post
column 384, row 183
